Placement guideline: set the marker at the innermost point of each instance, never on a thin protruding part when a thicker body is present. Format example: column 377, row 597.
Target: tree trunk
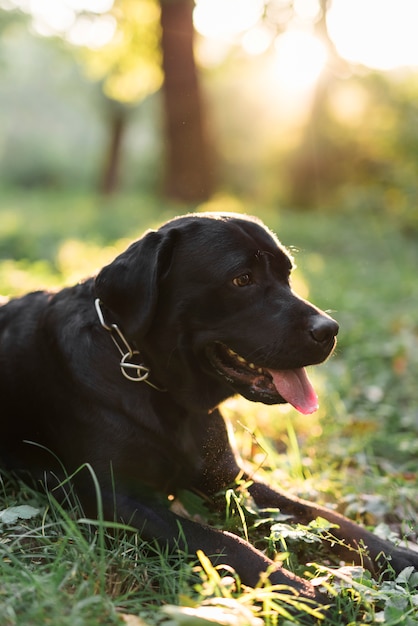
column 188, row 172
column 117, row 118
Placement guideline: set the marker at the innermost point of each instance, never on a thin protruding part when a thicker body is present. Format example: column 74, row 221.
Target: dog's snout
column 323, row 329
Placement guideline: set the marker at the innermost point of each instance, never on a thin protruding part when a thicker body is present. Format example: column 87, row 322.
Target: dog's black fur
column 190, row 297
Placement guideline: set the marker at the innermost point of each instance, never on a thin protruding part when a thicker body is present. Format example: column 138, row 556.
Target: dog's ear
column 128, row 287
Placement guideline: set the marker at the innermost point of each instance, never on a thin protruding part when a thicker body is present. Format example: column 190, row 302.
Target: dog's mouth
column 263, row 384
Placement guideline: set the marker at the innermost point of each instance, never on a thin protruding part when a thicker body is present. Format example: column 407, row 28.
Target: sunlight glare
column 349, row 103
column 220, row 19
column 95, row 6
column 257, row 40
column 381, row 34
column 307, row 9
column 51, row 16
column 65, row 17
column 300, row 58
column 92, row 32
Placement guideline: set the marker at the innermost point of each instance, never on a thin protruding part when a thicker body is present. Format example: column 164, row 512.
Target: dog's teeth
column 241, row 360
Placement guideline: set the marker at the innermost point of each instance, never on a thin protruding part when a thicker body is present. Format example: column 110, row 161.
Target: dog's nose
column 323, row 329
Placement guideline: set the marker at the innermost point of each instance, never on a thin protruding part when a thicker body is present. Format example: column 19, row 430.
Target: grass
column 56, row 569
column 357, row 453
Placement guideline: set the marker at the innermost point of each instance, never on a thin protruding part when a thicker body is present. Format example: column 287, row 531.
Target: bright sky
column 381, row 34
column 60, row 16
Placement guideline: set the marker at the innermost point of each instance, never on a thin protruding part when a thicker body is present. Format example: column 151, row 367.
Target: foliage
column 55, row 568
column 59, row 105
column 353, row 153
column 56, row 123
column 130, row 64
column 357, row 453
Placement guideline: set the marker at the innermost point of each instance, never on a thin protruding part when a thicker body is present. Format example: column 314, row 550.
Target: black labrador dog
column 125, row 371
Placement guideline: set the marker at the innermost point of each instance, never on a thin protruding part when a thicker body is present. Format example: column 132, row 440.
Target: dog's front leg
column 157, row 524
column 355, row 544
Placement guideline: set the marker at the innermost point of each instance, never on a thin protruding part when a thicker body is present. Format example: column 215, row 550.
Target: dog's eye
column 243, row 280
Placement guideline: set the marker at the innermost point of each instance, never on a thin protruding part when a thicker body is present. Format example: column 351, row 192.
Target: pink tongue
column 295, row 387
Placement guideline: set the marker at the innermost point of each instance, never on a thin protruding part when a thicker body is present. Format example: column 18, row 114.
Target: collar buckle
column 135, row 372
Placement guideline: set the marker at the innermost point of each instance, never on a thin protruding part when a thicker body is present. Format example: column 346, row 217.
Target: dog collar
column 132, row 371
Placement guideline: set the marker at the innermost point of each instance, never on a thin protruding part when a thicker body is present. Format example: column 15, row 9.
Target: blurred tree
column 129, row 68
column 188, row 173
column 152, row 44
column 144, row 53
column 313, row 163
column 117, row 114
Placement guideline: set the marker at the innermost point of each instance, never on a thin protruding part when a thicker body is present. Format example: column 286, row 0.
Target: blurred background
column 299, row 103
column 117, row 114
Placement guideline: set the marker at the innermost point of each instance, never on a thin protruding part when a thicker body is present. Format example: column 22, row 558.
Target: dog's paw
column 401, row 558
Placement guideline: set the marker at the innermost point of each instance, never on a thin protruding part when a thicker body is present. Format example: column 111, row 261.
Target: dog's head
column 207, row 301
